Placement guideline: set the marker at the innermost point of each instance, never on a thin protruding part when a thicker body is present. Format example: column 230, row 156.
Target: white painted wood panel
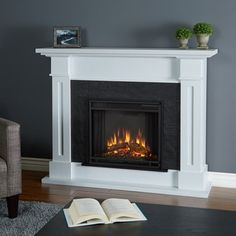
column 124, row 69
column 187, row 67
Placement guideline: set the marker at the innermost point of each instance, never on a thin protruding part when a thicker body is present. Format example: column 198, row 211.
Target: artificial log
column 120, row 153
column 137, row 148
column 118, row 146
column 125, row 149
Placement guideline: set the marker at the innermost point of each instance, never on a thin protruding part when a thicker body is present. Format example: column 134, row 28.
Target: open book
column 88, row 211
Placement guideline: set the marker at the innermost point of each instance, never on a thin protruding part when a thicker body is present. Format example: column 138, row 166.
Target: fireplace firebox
column 125, row 134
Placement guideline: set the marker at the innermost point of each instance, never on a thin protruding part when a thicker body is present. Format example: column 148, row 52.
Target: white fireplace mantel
column 187, row 67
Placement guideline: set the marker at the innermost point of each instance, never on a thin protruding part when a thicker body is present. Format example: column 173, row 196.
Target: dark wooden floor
column 33, row 190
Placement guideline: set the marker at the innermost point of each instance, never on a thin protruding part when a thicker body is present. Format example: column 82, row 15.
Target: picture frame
column 67, row 37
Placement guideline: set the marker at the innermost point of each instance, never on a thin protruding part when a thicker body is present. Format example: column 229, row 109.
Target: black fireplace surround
column 126, row 125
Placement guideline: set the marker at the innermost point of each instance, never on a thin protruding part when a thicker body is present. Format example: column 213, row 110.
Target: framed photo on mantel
column 67, row 37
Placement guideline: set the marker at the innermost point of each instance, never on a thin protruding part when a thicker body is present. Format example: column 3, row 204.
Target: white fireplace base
column 187, row 67
column 124, row 179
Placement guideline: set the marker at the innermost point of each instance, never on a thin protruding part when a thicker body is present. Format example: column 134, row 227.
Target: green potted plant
column 203, row 31
column 183, row 35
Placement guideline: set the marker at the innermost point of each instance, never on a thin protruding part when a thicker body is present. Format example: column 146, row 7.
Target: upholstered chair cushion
column 10, row 154
column 3, row 178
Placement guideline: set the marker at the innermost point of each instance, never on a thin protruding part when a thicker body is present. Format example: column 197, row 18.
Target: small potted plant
column 203, row 31
column 183, row 35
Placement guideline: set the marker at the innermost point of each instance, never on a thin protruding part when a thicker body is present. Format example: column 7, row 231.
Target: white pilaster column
column 60, row 167
column 193, row 168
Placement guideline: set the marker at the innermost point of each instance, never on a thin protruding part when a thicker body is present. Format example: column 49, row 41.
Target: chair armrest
column 10, row 151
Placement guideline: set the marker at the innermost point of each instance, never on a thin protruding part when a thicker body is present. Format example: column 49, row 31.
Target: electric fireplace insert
column 125, row 134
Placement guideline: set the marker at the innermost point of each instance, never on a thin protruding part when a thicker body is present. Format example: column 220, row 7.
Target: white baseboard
column 218, row 179
column 35, row 164
column 225, row 180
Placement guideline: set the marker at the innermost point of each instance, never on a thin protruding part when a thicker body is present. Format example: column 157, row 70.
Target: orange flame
column 140, row 139
column 126, row 137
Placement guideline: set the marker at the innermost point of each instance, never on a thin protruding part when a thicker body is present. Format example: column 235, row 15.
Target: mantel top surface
column 127, row 52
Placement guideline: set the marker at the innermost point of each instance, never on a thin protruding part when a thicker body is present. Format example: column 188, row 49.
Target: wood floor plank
column 34, row 190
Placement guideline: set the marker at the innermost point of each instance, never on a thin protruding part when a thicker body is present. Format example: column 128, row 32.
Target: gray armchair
column 10, row 165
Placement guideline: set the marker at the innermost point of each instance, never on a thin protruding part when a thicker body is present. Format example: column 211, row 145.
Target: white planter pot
column 202, row 40
column 183, row 43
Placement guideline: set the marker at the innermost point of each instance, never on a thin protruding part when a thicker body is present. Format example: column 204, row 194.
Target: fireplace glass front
column 125, row 135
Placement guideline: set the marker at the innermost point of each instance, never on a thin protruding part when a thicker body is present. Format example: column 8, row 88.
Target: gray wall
column 25, row 87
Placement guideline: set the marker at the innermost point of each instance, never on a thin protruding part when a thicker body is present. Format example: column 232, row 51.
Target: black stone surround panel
column 166, row 93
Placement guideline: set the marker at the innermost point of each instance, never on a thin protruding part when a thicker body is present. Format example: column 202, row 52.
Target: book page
column 82, row 210
column 85, row 223
column 119, row 208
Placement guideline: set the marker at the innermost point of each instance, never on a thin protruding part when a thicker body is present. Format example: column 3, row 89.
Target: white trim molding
column 127, row 52
column 224, row 180
column 35, row 164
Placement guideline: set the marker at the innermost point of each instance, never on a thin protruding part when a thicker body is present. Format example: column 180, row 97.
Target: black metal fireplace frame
column 107, row 105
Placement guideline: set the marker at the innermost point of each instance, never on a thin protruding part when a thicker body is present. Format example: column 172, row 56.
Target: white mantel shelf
column 128, row 52
column 187, row 67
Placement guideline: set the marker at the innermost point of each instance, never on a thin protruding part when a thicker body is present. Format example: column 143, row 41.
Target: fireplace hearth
column 125, row 135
